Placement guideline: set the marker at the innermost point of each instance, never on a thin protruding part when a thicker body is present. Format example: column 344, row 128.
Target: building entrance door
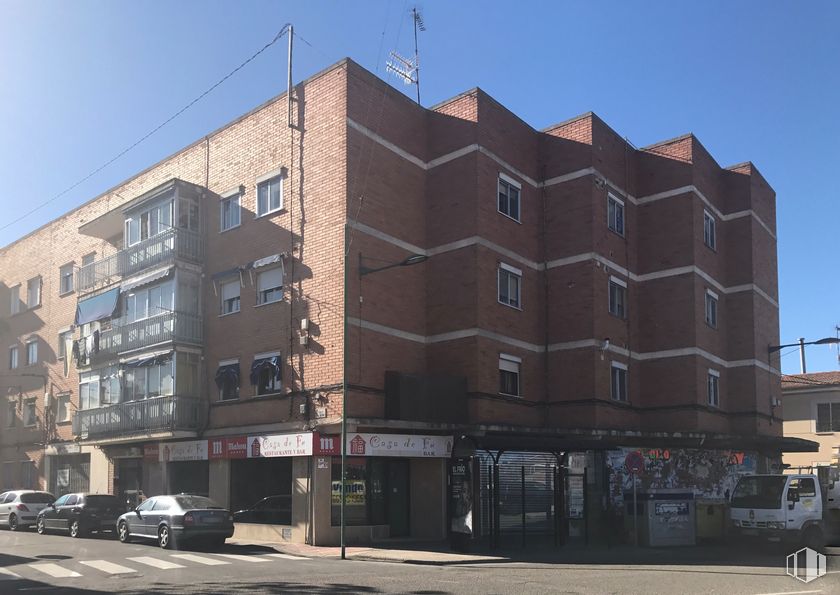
column 398, row 498
column 128, row 481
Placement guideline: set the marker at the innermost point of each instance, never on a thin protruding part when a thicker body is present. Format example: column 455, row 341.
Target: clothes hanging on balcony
column 227, row 376
column 74, row 351
column 261, row 364
column 96, row 341
column 70, row 353
column 89, row 346
column 98, row 307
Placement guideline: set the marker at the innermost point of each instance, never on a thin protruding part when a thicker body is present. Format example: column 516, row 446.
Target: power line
column 280, row 34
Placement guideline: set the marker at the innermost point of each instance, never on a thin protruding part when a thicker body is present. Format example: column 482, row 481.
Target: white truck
column 785, row 508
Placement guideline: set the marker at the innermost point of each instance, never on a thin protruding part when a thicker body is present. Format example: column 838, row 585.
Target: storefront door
column 398, row 497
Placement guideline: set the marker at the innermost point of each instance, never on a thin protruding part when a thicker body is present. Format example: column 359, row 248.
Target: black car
column 274, row 510
column 175, row 519
column 79, row 514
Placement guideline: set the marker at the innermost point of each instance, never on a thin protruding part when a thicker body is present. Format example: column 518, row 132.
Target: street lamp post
column 363, row 270
column 801, row 344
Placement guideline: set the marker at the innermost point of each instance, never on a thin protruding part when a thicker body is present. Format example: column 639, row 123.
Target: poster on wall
column 461, row 496
column 575, row 497
column 356, row 492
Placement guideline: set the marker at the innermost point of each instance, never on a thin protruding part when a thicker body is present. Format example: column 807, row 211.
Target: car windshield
column 759, row 492
column 97, row 500
column 37, row 498
column 188, row 502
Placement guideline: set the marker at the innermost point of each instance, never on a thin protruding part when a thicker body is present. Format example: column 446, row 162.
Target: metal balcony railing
column 156, row 414
column 160, row 249
column 169, row 326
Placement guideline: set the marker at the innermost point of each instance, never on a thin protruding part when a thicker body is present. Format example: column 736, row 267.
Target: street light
column 363, row 270
column 801, row 344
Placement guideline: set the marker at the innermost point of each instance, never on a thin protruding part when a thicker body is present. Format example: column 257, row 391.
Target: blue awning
column 272, row 363
column 98, row 307
column 227, row 375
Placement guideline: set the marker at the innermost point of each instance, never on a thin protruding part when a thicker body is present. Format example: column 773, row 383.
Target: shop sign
column 399, row 445
column 326, row 444
column 194, row 450
column 151, row 452
column 355, row 492
column 62, row 449
column 227, row 448
column 280, row 445
column 125, row 452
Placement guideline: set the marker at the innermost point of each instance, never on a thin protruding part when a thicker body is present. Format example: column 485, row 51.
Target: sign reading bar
column 280, row 445
column 399, row 445
column 193, row 450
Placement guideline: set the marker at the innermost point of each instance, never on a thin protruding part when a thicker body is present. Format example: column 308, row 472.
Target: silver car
column 19, row 508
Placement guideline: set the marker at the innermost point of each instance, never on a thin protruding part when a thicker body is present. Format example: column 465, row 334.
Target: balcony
column 149, row 416
column 158, row 250
column 123, row 336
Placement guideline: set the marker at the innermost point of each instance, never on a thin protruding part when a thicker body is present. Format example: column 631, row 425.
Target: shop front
column 70, row 467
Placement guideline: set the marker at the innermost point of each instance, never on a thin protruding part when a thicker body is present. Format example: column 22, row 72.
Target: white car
column 19, row 508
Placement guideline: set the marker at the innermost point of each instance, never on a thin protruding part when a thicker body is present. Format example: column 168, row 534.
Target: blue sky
column 759, row 81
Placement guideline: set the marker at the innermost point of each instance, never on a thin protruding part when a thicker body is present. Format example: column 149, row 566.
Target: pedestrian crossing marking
column 108, row 567
column 54, row 570
column 6, row 574
column 242, row 558
column 287, row 557
column 155, row 562
column 200, row 559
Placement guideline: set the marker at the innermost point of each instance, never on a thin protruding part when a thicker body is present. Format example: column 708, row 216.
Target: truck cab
column 779, row 507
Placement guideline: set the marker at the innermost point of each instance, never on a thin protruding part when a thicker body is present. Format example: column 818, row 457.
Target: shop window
column 263, row 487
column 367, row 486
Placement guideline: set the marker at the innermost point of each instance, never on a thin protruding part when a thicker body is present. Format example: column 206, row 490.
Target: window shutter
column 270, row 278
column 230, row 290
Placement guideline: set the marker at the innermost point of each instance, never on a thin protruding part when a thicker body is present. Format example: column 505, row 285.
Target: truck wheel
column 813, row 538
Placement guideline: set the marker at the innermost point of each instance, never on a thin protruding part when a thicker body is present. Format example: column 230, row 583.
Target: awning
column 260, row 364
column 264, row 262
column 148, row 359
column 227, row 375
column 227, row 273
column 97, row 307
column 139, row 280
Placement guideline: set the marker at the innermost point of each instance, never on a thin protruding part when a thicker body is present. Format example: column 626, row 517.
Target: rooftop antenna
column 408, row 69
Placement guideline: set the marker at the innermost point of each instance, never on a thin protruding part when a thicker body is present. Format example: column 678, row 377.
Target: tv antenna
column 408, row 69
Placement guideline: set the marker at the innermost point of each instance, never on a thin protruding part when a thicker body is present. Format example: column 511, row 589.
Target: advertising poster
column 462, row 497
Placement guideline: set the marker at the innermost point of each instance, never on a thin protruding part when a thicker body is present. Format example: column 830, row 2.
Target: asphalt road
column 57, row 564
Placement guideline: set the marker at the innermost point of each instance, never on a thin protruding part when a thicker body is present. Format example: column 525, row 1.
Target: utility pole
column 291, row 33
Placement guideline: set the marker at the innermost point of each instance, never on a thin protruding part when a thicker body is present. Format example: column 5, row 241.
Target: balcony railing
column 169, row 326
column 157, row 414
column 160, row 249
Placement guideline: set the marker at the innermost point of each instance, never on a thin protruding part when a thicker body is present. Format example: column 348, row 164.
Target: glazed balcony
column 156, row 415
column 161, row 249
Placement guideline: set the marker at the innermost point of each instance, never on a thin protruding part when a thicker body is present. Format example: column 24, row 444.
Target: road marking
column 199, row 559
column 792, row 592
column 155, row 562
column 6, row 574
column 287, row 557
column 54, row 570
column 242, row 558
column 109, row 567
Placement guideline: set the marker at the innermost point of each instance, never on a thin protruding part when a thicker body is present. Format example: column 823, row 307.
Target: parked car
column 174, row 519
column 274, row 510
column 20, row 508
column 79, row 514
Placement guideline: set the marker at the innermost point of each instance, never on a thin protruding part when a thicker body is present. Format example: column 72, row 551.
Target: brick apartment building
column 185, row 330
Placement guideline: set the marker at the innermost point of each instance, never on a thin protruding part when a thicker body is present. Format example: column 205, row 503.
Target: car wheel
column 13, row 522
column 164, row 537
column 75, row 529
column 122, row 532
column 41, row 527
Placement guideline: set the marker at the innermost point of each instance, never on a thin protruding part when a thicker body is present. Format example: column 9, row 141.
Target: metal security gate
column 521, row 497
column 70, row 474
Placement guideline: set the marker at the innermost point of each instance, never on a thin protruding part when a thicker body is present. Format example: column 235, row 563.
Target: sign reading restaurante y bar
column 399, row 445
column 280, row 445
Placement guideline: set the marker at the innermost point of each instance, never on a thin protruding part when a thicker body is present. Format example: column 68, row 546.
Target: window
column 711, row 308
column 31, row 352
column 709, row 235
column 618, row 382
column 227, row 379
column 270, row 286
column 29, row 481
column 15, row 300
column 509, row 366
column 11, row 414
column 828, row 417
column 229, row 216
column 266, row 373
column 30, row 417
column 13, row 357
column 804, row 486
column 88, row 259
column 65, row 275
column 230, row 297
column 33, row 292
column 62, row 408
column 188, row 214
column 713, row 388
column 270, row 195
column 145, row 382
column 510, row 281
column 63, row 339
column 509, row 191
column 618, row 297
column 615, row 214
column 152, row 301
